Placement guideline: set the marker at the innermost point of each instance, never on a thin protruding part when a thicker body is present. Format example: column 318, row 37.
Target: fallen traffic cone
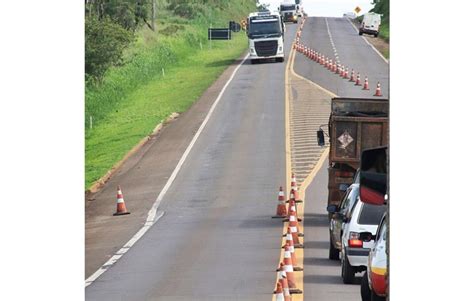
column 366, row 84
column 378, row 92
column 288, row 268
column 352, row 76
column 357, row 83
column 281, row 207
column 121, row 209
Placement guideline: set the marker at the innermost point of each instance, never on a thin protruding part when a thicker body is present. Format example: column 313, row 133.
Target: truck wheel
column 347, row 271
column 376, row 35
column 280, row 59
column 360, row 32
column 253, row 61
column 365, row 289
column 333, row 252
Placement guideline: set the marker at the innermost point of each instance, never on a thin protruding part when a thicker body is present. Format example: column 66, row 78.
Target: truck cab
column 289, row 12
column 266, row 34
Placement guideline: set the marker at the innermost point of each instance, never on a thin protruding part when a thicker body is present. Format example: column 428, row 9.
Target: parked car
column 338, row 214
column 354, row 252
column 370, row 24
column 374, row 284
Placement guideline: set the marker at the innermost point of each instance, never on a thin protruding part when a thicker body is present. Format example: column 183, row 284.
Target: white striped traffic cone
column 281, row 207
column 378, row 91
column 366, row 84
column 288, row 268
column 121, row 209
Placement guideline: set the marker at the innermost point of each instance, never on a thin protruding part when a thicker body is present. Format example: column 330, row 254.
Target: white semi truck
column 265, row 31
column 289, row 12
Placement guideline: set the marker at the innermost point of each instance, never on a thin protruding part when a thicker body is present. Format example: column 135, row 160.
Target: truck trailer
column 355, row 124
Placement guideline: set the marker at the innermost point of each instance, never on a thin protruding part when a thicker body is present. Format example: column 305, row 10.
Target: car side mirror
column 343, row 187
column 332, row 208
column 366, row 236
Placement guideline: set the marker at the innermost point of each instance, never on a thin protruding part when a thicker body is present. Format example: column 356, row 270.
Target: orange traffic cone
column 121, row 209
column 346, row 73
column 366, row 84
column 294, row 187
column 294, row 229
column 378, row 92
column 281, row 207
column 289, row 242
column 341, row 71
column 279, row 293
column 288, row 268
column 334, row 67
column 352, row 76
column 330, row 65
column 284, row 284
column 357, row 83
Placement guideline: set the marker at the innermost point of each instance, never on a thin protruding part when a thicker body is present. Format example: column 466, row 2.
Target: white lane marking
column 332, row 42
column 152, row 213
column 370, row 44
column 120, row 252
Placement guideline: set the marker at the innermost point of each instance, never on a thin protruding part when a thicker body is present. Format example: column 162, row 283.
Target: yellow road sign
column 357, row 9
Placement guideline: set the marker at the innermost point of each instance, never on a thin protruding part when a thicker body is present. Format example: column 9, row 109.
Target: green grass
column 135, row 97
column 136, row 115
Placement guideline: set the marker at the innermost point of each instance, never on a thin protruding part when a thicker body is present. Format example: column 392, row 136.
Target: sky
column 327, row 8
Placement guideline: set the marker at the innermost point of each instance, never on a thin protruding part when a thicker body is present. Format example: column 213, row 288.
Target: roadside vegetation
column 383, row 7
column 139, row 69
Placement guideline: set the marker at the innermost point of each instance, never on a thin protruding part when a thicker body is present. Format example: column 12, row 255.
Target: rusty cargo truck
column 355, row 124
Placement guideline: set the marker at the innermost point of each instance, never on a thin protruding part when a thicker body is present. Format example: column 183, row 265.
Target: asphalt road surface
column 352, row 51
column 216, row 240
column 322, row 277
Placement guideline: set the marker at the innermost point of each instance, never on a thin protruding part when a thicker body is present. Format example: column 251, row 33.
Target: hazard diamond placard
column 357, row 9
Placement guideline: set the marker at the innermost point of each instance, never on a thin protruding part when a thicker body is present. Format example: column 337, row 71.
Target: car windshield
column 371, row 214
column 287, row 7
column 264, row 28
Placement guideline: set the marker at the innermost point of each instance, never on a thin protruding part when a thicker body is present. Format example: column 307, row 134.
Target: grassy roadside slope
column 135, row 97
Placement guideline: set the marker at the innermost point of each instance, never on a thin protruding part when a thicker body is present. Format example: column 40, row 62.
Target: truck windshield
column 287, row 7
column 259, row 28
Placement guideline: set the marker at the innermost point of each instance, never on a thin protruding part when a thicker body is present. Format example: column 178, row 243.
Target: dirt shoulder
column 141, row 177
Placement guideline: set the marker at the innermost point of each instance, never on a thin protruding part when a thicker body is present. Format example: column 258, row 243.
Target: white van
column 370, row 24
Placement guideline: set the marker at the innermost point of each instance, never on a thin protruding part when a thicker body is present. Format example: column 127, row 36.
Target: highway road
column 216, row 240
column 331, row 36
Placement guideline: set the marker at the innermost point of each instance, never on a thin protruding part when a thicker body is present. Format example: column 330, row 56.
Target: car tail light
column 354, row 241
column 344, row 174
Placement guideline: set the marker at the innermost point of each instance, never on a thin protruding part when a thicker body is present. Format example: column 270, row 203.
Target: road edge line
column 370, row 44
column 152, row 213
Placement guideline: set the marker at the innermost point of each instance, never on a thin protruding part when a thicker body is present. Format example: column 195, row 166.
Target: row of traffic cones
column 286, row 284
column 335, row 67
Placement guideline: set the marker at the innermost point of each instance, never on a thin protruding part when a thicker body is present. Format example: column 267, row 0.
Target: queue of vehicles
column 357, row 210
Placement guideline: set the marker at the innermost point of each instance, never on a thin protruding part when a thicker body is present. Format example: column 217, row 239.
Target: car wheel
column 365, row 289
column 347, row 271
column 333, row 252
column 374, row 297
